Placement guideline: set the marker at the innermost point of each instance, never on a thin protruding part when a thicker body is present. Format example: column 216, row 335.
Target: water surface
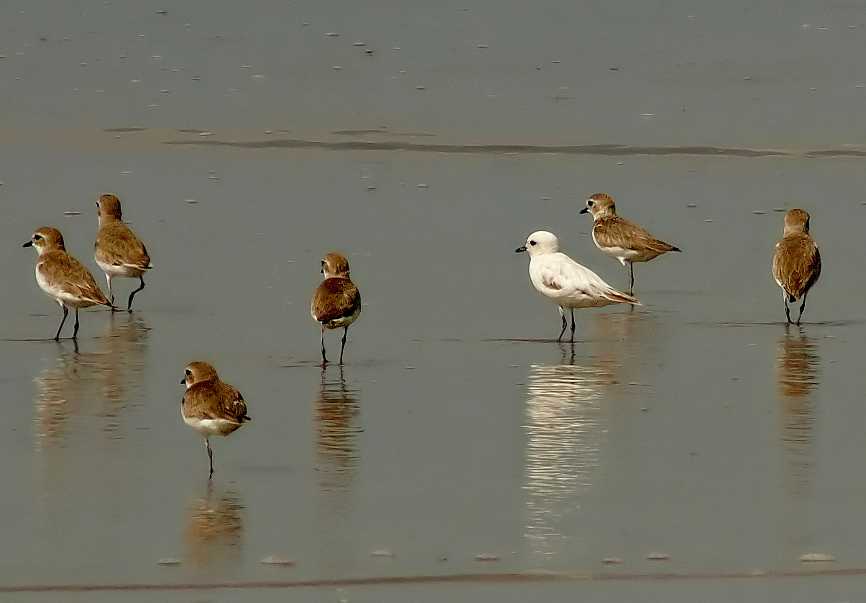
column 697, row 426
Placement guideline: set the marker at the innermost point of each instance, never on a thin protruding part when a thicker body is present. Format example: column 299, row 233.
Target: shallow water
column 697, row 426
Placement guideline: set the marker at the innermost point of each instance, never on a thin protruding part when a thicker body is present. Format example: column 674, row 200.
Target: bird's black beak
column 28, row 244
column 585, row 210
column 519, row 249
column 183, row 381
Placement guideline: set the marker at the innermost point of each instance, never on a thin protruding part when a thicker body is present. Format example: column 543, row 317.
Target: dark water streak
column 485, row 578
column 605, row 150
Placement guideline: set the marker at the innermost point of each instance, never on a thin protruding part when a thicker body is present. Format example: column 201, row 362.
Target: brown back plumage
column 61, row 270
column 609, row 230
column 797, row 261
column 115, row 243
column 207, row 397
column 336, row 301
column 335, row 298
column 215, row 400
column 613, row 231
column 60, row 273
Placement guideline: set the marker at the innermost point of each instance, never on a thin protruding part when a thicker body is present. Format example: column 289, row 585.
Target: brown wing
column 64, row 272
column 335, row 298
column 117, row 245
column 214, row 400
column 232, row 402
column 796, row 264
column 616, row 232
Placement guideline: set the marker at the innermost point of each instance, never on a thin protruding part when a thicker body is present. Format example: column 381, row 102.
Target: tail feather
column 619, row 296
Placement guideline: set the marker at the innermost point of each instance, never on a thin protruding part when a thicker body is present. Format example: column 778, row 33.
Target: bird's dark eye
column 37, row 237
column 532, row 243
column 188, row 373
column 590, row 203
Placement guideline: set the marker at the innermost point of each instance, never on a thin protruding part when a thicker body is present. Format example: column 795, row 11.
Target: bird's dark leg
column 131, row 295
column 209, row 456
column 572, row 325
column 65, row 312
column 802, row 307
column 564, row 323
column 324, row 358
column 787, row 311
column 342, row 347
column 630, row 278
column 75, row 330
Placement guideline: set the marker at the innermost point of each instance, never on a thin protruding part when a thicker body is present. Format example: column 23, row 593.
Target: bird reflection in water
column 797, row 369
column 214, row 529
column 79, row 423
column 110, row 377
column 61, row 388
column 121, row 357
column 336, row 413
column 564, row 436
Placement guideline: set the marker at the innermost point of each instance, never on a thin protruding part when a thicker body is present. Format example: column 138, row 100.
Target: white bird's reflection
column 564, row 437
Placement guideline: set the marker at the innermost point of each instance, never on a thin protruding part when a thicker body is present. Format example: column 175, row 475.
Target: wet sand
column 697, row 426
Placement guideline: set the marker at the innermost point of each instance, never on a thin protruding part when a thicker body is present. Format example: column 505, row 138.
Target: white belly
column 62, row 297
column 211, row 427
column 343, row 321
column 122, row 270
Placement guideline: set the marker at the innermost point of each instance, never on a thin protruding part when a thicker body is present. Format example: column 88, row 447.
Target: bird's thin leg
column 342, row 347
column 324, row 359
column 630, row 278
column 110, row 291
column 564, row 323
column 131, row 295
column 787, row 311
column 572, row 325
column 65, row 312
column 209, row 455
column 802, row 307
column 75, row 331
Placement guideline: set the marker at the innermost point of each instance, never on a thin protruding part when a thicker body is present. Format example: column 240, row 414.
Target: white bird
column 570, row 285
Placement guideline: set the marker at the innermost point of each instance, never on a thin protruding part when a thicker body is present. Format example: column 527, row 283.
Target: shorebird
column 210, row 406
column 620, row 238
column 567, row 283
column 797, row 262
column 336, row 302
column 117, row 250
column 63, row 277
